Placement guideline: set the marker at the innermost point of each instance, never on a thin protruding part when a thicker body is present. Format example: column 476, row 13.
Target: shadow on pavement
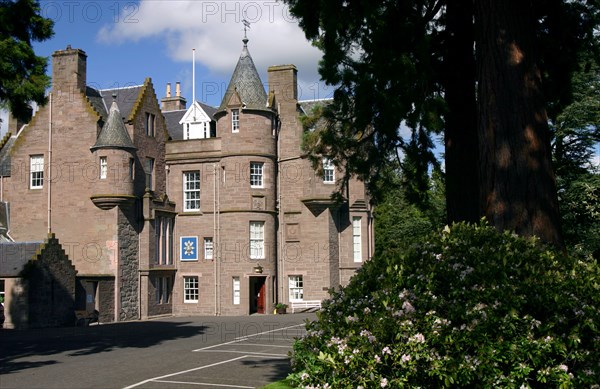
column 75, row 341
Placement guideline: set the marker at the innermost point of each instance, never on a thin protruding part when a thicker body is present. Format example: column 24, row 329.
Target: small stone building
column 38, row 284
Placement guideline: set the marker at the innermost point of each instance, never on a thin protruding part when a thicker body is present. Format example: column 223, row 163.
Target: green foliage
column 467, row 307
column 400, row 222
column 580, row 208
column 22, row 74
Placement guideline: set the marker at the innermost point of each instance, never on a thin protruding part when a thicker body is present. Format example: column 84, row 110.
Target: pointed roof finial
column 246, row 27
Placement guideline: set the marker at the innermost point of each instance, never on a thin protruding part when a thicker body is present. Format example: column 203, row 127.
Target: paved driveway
column 217, row 352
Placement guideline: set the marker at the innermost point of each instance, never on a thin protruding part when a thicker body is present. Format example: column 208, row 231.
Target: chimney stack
column 69, row 70
column 173, row 103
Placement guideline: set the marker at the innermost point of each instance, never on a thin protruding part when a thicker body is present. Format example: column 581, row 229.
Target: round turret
column 114, row 154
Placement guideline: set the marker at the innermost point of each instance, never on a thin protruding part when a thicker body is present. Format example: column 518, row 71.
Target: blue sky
column 127, row 41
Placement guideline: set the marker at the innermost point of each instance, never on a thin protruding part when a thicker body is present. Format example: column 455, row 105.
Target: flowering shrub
column 467, row 307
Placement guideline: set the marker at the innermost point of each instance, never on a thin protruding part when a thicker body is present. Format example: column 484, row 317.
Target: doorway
column 258, row 295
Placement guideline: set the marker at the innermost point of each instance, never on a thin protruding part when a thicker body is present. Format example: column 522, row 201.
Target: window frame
column 328, row 171
column 103, row 167
column 357, row 238
column 209, row 248
column 191, row 288
column 149, row 168
column 257, row 174
column 36, row 171
column 150, row 124
column 187, row 191
column 236, row 290
column 235, row 120
column 257, row 239
column 295, row 285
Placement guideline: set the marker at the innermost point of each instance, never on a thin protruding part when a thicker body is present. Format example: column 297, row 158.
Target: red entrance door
column 260, row 302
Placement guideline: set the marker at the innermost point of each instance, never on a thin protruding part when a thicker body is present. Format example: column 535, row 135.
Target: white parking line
column 184, row 371
column 263, row 345
column 237, row 340
column 248, row 353
column 204, row 384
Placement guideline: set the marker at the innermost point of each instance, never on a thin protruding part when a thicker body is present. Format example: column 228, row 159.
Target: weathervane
column 246, row 27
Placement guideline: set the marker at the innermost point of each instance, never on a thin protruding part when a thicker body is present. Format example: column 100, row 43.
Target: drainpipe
column 215, row 231
column 49, row 162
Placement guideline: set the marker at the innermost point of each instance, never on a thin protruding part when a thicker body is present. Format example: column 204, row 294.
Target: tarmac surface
column 174, row 352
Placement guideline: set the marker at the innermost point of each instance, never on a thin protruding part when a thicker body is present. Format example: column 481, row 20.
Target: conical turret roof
column 114, row 134
column 246, row 82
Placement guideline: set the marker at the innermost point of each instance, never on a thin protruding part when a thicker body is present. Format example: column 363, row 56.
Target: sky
column 127, row 41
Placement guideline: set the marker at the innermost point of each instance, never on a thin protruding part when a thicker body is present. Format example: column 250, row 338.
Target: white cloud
column 215, row 30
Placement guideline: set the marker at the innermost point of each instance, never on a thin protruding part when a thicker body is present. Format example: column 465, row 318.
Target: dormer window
column 235, row 120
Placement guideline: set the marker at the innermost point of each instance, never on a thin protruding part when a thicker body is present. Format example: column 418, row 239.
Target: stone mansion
column 169, row 209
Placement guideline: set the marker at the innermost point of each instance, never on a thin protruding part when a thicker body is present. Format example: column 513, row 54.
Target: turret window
column 235, row 120
column 256, row 174
column 257, row 240
column 36, row 169
column 103, row 168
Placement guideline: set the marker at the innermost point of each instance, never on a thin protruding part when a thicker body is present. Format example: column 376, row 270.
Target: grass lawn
column 283, row 384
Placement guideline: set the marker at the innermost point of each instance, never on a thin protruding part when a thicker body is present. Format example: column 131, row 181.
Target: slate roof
column 246, row 81
column 173, row 118
column 113, row 133
column 14, row 255
column 5, row 159
column 102, row 98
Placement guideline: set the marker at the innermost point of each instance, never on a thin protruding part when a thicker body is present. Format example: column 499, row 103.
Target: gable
column 195, row 114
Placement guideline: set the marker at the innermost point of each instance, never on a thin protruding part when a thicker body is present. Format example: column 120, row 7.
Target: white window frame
column 191, row 289
column 237, row 290
column 256, row 174
column 296, row 287
column 235, row 120
column 209, row 248
column 103, row 168
column 328, row 171
column 257, row 240
column 36, row 171
column 191, row 191
column 357, row 238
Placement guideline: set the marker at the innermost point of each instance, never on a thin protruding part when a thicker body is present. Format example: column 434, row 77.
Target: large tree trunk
column 517, row 187
column 462, row 184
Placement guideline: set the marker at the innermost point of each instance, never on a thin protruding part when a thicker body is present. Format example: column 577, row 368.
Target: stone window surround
column 328, row 171
column 36, row 171
column 235, row 120
column 191, row 196
column 256, row 174
column 297, row 286
column 191, row 288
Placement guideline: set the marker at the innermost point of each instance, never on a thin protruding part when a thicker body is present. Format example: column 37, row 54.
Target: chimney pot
column 168, row 89
column 177, row 89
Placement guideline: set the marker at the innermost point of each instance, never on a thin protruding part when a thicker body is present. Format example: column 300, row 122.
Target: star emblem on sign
column 189, row 247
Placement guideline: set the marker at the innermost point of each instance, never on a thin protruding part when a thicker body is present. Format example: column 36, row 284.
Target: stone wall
column 128, row 264
column 51, row 286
